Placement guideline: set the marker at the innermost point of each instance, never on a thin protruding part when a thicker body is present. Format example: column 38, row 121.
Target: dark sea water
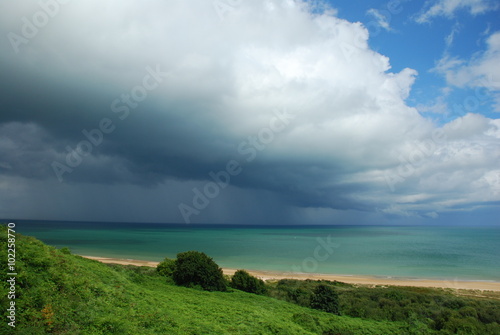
column 452, row 253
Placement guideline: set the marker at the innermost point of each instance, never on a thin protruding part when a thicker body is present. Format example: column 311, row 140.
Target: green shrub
column 242, row 280
column 193, row 268
column 468, row 311
column 326, row 299
column 65, row 250
column 307, row 321
column 166, row 267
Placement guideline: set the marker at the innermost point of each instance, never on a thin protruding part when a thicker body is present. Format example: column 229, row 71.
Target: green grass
column 60, row 293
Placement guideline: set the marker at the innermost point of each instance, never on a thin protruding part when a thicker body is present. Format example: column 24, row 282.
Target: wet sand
column 360, row 280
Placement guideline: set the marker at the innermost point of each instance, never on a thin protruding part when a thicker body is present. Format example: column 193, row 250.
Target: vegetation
column 194, row 268
column 61, row 293
column 424, row 310
column 166, row 267
column 243, row 281
column 325, row 298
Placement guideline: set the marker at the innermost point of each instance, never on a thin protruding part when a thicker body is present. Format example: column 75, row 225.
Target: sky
column 251, row 112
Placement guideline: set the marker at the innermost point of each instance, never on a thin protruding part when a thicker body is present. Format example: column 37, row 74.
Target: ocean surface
column 434, row 252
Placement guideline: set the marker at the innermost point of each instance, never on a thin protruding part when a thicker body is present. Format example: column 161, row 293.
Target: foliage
column 65, row 250
column 424, row 310
column 194, row 268
column 325, row 298
column 59, row 293
column 242, row 280
column 166, row 267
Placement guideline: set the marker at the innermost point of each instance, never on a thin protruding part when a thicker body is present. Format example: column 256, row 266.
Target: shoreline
column 354, row 279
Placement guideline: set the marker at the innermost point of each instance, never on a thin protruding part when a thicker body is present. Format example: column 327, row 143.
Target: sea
column 406, row 252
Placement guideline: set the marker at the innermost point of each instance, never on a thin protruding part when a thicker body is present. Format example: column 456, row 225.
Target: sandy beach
column 360, row 280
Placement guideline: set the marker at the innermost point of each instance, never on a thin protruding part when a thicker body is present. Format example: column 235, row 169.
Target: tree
column 166, row 267
column 193, row 268
column 242, row 280
column 325, row 299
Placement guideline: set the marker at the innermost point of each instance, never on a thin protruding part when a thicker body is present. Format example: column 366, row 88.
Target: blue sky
column 410, row 41
column 254, row 112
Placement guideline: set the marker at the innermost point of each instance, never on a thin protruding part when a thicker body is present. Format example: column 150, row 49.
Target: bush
column 242, row 280
column 166, row 267
column 325, row 299
column 193, row 268
column 307, row 321
column 65, row 250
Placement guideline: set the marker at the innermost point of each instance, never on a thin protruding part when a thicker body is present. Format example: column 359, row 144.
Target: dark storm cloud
column 153, row 98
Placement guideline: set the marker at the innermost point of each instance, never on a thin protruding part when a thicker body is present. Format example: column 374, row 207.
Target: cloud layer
column 482, row 71
column 448, row 8
column 168, row 92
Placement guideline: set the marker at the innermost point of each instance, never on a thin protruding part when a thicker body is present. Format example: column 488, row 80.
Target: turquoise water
column 452, row 253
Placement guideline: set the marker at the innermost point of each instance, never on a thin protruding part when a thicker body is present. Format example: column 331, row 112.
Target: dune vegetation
column 61, row 293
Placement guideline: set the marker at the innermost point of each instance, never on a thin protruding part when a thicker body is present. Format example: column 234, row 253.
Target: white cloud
column 451, row 37
column 447, row 63
column 382, row 21
column 450, row 170
column 437, row 106
column 481, row 71
column 448, row 8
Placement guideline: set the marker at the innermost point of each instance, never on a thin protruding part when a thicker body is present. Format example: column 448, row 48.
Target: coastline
column 359, row 280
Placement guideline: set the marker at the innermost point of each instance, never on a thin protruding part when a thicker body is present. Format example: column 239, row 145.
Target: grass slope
column 61, row 293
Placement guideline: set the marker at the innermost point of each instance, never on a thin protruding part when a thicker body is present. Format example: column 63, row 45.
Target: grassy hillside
column 60, row 293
